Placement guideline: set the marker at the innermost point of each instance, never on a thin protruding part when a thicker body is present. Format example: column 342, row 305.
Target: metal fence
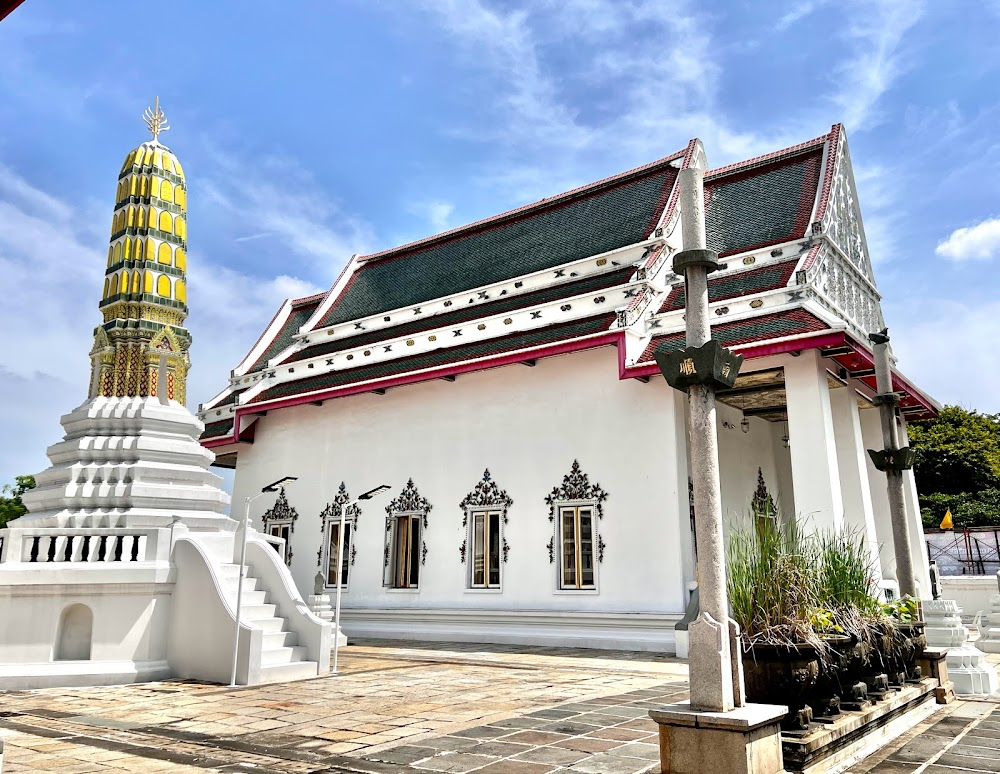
column 972, row 551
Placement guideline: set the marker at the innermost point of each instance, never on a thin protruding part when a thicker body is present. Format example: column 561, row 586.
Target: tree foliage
column 957, row 453
column 11, row 506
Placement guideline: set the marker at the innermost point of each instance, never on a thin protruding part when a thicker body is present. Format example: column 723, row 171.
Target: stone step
column 296, row 670
column 283, row 655
column 279, row 639
column 249, row 584
column 254, row 598
column 270, row 625
column 258, row 612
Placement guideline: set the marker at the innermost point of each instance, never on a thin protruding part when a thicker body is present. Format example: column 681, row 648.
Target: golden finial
column 155, row 120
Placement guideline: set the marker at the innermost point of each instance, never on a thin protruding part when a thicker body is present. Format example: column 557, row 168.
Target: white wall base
column 72, row 674
column 650, row 632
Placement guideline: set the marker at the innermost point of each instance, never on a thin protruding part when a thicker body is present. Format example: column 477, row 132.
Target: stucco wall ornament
column 409, row 500
column 486, row 494
column 576, row 486
column 331, row 514
column 278, row 513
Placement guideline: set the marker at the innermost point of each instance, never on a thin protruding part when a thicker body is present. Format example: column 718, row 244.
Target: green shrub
column 979, row 509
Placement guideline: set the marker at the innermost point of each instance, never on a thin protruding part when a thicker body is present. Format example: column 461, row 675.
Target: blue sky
column 311, row 130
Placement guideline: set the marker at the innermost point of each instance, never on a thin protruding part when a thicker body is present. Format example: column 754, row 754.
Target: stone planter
column 783, row 674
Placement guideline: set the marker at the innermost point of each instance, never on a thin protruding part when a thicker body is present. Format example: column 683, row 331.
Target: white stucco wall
column 526, row 425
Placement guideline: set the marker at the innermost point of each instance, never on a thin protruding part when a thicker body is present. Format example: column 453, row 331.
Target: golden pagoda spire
column 145, row 286
column 155, row 120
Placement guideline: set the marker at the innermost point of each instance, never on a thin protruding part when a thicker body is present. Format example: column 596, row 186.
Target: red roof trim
column 518, row 213
column 757, row 161
column 668, row 211
column 831, row 168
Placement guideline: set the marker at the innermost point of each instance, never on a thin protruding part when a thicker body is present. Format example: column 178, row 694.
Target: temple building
column 126, row 567
column 500, row 378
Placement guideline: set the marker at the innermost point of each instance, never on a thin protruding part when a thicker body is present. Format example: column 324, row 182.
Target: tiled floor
column 415, row 707
column 388, row 696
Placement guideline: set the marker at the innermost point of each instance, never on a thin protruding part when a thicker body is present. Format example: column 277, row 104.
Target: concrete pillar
column 871, row 434
column 859, row 515
column 815, row 470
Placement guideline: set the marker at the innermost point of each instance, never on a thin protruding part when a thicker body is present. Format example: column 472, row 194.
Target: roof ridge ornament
column 156, row 122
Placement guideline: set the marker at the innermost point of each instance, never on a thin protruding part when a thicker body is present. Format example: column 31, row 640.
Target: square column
column 815, row 468
column 918, row 546
column 859, row 514
column 871, row 436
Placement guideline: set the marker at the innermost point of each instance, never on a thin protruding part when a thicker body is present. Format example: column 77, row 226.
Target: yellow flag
column 946, row 522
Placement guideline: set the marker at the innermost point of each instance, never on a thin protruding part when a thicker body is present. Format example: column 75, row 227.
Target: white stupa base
column 989, row 638
column 124, row 569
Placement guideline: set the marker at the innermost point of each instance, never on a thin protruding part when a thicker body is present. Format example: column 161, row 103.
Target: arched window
column 180, row 259
column 163, row 254
column 154, row 186
column 180, row 291
column 107, row 287
column 179, row 196
column 167, row 165
column 118, row 252
column 118, row 193
column 178, row 170
column 135, row 282
column 163, row 285
column 156, row 159
column 138, row 249
column 123, row 285
column 166, row 222
column 130, row 217
column 111, row 253
column 132, row 186
column 147, row 282
column 127, row 251
column 180, row 226
column 166, row 190
column 76, row 629
column 114, row 285
column 141, row 219
column 142, row 187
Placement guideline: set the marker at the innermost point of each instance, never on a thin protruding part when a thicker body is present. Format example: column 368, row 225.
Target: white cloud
column 437, row 213
column 280, row 199
column 797, row 12
column 874, row 57
column 972, row 243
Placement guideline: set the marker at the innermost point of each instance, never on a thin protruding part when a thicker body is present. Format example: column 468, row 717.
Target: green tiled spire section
column 600, row 219
column 763, row 205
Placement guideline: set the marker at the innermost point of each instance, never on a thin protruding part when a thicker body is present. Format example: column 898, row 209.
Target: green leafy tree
column 957, row 453
column 11, row 506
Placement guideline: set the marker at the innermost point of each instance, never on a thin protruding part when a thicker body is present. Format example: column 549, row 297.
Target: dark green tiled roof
column 767, row 326
column 723, row 286
column 471, row 351
column 764, row 205
column 296, row 319
column 217, row 429
column 474, row 312
column 603, row 217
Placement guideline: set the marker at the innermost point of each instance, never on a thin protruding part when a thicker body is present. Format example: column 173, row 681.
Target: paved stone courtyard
column 416, row 707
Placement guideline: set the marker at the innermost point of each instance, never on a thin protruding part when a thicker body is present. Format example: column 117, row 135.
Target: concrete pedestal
column 990, row 637
column 971, row 673
column 944, row 627
column 320, row 606
column 746, row 740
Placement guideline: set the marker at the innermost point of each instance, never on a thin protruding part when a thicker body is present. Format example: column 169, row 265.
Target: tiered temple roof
column 582, row 270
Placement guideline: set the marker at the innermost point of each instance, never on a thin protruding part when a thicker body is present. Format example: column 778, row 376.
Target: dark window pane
column 494, row 543
column 414, row 551
column 569, row 547
column 478, row 549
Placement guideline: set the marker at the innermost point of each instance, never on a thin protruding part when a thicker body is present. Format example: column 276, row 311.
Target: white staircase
column 281, row 658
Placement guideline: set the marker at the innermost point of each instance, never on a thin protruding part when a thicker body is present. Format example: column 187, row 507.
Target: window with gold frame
column 577, row 542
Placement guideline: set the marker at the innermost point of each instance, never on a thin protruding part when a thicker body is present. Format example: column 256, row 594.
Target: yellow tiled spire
column 144, row 304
